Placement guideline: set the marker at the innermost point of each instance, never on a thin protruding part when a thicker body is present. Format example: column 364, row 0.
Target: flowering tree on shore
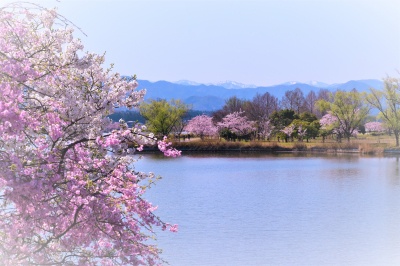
column 288, row 131
column 69, row 192
column 329, row 121
column 301, row 132
column 237, row 124
column 202, row 126
column 329, row 125
column 266, row 129
column 374, row 127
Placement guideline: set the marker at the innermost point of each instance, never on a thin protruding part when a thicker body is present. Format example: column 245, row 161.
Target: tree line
column 338, row 114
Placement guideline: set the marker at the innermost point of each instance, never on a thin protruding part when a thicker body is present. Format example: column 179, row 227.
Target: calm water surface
column 278, row 209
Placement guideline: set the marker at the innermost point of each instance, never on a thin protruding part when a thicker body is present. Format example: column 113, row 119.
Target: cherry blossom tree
column 237, row 124
column 266, row 129
column 288, row 131
column 202, row 126
column 374, row 127
column 69, row 191
column 328, row 120
column 301, row 132
column 329, row 125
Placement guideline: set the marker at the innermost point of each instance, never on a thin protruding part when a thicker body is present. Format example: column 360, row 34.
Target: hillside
column 212, row 97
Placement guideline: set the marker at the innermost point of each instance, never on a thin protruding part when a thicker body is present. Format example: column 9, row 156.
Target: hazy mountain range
column 209, row 97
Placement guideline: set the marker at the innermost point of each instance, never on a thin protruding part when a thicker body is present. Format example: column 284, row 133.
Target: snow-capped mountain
column 225, row 84
column 317, row 84
column 187, row 82
column 313, row 83
column 233, row 85
column 290, row 83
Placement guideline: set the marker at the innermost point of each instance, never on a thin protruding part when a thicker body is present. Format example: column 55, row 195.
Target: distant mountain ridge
column 212, row 97
column 226, row 84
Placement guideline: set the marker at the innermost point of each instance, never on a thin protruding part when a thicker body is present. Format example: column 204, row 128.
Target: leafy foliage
column 161, row 116
column 388, row 104
column 281, row 119
column 349, row 109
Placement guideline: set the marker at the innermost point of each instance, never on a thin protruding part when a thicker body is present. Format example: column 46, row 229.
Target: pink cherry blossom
column 69, row 192
column 374, row 127
column 288, row 130
column 328, row 120
column 237, row 123
column 301, row 132
column 266, row 128
column 166, row 148
column 202, row 126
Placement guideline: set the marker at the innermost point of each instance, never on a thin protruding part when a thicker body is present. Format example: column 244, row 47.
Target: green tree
column 161, row 116
column 307, row 122
column 313, row 129
column 283, row 118
column 388, row 104
column 308, row 116
column 349, row 108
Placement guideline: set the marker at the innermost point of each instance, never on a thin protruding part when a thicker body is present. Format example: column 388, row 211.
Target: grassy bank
column 363, row 145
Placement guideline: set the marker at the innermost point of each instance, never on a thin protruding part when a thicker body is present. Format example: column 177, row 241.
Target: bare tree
column 293, row 100
column 324, row 94
column 271, row 103
column 260, row 108
column 233, row 104
column 309, row 102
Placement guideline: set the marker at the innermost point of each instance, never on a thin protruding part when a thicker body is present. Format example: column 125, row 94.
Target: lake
column 285, row 209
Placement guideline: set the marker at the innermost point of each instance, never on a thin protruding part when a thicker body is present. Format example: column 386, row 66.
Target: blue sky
column 252, row 42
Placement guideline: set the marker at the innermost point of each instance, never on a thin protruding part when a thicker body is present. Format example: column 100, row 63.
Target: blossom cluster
column 201, row 125
column 166, row 148
column 266, row 128
column 374, row 127
column 328, row 120
column 288, row 130
column 69, row 192
column 237, row 123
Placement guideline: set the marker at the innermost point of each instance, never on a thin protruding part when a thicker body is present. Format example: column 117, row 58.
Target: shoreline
column 276, row 147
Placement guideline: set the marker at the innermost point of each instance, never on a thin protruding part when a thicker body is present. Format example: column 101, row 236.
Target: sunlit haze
column 252, row 42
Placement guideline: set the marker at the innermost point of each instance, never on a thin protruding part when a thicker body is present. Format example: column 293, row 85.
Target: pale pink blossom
column 166, row 148
column 237, row 123
column 288, row 130
column 69, row 192
column 374, row 127
column 202, row 126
